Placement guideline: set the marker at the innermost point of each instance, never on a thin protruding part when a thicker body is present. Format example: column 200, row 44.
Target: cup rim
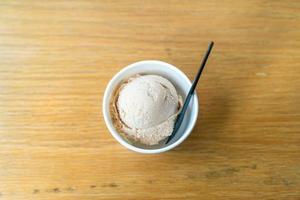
column 116, row 135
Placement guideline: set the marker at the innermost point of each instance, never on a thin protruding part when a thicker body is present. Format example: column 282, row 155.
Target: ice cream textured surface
column 147, row 106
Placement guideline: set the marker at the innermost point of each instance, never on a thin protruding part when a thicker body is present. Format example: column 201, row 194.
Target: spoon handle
column 195, row 82
column 190, row 94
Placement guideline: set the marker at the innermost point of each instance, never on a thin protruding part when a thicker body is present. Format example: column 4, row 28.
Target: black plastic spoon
column 190, row 94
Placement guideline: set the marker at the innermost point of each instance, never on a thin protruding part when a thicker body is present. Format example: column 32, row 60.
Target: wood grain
column 56, row 58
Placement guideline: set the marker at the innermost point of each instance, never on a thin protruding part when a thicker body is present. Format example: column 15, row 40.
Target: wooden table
column 56, row 58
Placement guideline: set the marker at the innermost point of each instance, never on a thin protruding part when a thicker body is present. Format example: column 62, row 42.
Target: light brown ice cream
column 144, row 108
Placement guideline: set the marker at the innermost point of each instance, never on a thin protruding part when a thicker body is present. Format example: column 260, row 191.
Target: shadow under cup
column 182, row 85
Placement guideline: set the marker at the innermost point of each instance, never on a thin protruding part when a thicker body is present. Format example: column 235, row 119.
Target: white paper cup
column 181, row 83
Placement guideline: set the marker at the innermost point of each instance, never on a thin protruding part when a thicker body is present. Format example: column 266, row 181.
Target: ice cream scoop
column 146, row 107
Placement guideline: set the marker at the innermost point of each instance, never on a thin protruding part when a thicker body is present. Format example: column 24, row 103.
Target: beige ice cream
column 145, row 107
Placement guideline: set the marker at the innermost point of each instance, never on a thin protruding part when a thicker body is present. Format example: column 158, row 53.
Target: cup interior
column 182, row 85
